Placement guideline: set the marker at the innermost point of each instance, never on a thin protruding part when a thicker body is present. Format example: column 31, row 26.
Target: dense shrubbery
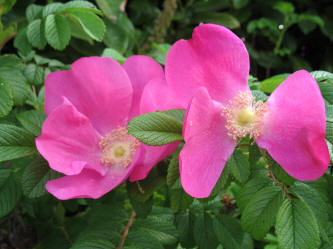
column 255, row 203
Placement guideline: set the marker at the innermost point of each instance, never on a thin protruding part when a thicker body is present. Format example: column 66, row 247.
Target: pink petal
column 152, row 155
column 294, row 127
column 68, row 141
column 207, row 146
column 141, row 69
column 158, row 96
column 214, row 58
column 89, row 183
column 98, row 87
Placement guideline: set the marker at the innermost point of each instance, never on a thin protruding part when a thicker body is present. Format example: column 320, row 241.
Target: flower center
column 118, row 148
column 244, row 116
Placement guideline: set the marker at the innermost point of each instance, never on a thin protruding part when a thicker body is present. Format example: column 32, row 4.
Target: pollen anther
column 244, row 116
column 118, row 148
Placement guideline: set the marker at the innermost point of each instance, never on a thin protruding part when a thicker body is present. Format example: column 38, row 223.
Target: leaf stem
column 129, row 224
column 271, row 175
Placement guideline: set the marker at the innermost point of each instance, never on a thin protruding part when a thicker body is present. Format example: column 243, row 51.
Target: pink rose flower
column 213, row 67
column 85, row 136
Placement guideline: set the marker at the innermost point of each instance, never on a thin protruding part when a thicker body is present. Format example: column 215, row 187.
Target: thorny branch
column 271, row 175
column 129, row 224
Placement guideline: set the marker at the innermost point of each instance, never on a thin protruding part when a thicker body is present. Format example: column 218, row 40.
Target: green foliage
column 229, row 232
column 57, row 31
column 269, row 85
column 157, row 128
column 15, row 142
column 35, row 176
column 52, row 24
column 296, row 226
column 203, row 231
column 32, row 121
column 239, row 166
column 259, row 214
column 10, row 192
column 6, row 98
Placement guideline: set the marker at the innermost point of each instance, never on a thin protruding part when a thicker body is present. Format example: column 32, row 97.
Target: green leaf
column 142, row 190
column 35, row 34
column 96, row 244
column 110, row 9
column 329, row 113
column 278, row 171
column 223, row 182
column 4, row 174
column 228, row 231
column 140, row 240
column 173, row 169
column 159, row 228
column 270, row 84
column 142, row 208
column 177, row 114
column 156, row 128
column 52, row 8
column 17, row 81
column 221, row 18
column 32, row 121
column 254, row 154
column 53, row 238
column 57, row 31
column 322, row 76
column 15, row 142
column 81, row 5
column 259, row 95
column 284, row 7
column 325, row 82
column 35, row 176
column 312, row 18
column 10, row 193
column 33, row 12
column 296, row 226
column 179, row 199
column 259, row 215
column 184, row 223
column 250, row 189
column 239, row 3
column 159, row 52
column 203, row 232
column 327, row 91
column 34, row 74
column 6, row 98
column 114, row 54
column 116, row 36
column 329, row 131
column 90, row 23
column 239, row 166
column 311, row 197
column 21, row 42
column 6, row 5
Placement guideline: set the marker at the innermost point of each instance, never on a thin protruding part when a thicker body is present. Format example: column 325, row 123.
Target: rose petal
column 90, row 184
column 98, row 87
column 152, row 155
column 214, row 58
column 207, row 146
column 294, row 127
column 141, row 69
column 157, row 96
column 68, row 141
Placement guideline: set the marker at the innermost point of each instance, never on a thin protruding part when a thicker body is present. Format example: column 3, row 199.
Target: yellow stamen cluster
column 118, row 148
column 244, row 116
